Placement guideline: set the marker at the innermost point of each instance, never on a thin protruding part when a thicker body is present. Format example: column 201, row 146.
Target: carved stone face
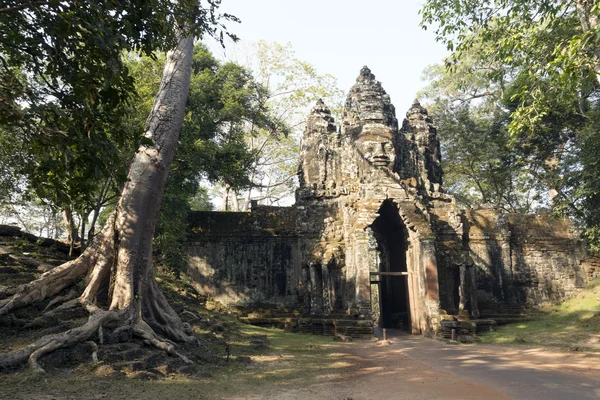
column 378, row 150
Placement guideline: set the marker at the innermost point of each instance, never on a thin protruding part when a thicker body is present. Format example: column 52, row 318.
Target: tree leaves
column 547, row 67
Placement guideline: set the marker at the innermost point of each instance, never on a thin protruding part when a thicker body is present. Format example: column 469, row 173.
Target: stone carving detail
column 369, row 129
column 424, row 148
column 319, row 170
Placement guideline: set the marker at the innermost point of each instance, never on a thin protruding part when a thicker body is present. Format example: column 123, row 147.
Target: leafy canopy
column 64, row 88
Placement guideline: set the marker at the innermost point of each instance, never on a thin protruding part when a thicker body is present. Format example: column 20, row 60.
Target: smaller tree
column 291, row 86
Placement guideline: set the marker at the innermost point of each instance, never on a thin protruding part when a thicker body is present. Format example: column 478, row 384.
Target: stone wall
column 524, row 259
column 246, row 257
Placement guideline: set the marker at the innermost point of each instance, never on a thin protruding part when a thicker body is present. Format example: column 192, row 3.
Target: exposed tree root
column 142, row 330
column 157, row 312
column 71, row 337
column 123, row 320
column 118, row 264
column 60, row 299
column 97, row 319
column 58, row 278
column 49, row 284
column 146, row 316
column 49, row 343
column 67, row 305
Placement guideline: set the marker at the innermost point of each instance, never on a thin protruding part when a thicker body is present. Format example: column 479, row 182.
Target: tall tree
column 64, row 90
column 551, row 46
column 480, row 163
column 224, row 98
column 118, row 264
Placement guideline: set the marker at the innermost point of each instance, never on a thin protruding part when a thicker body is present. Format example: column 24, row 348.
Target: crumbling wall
column 246, row 257
column 546, row 258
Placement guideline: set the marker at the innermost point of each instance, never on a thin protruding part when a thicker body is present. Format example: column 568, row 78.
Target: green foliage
column 291, row 87
column 200, row 201
column 541, row 60
column 542, row 44
column 480, row 164
column 65, row 90
column 224, row 99
column 580, row 195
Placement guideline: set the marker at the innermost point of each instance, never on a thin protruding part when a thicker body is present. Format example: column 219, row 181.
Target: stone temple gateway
column 374, row 238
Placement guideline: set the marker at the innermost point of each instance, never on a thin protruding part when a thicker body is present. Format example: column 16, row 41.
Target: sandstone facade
column 373, row 235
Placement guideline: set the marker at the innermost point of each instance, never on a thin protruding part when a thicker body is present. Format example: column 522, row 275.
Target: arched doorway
column 391, row 278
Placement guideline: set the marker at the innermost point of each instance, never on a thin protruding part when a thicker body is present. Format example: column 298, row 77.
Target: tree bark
column 70, row 228
column 235, row 205
column 225, row 198
column 120, row 258
column 589, row 21
column 132, row 276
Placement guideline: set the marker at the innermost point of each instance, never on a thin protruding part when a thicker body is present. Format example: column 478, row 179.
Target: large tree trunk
column 119, row 262
column 235, row 204
column 225, row 198
column 70, row 228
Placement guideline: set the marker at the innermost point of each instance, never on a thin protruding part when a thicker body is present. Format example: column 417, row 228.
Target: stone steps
column 511, row 320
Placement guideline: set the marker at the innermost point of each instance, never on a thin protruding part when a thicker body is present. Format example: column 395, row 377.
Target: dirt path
column 419, row 368
column 384, row 372
column 411, row 367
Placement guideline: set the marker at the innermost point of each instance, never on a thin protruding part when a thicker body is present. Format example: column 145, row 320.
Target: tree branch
column 7, row 10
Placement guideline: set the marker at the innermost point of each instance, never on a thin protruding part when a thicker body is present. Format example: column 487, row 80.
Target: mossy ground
column 288, row 361
column 573, row 324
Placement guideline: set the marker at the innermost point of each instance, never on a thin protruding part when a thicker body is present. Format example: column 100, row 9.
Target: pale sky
column 340, row 36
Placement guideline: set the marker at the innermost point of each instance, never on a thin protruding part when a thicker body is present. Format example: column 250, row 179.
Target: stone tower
column 367, row 182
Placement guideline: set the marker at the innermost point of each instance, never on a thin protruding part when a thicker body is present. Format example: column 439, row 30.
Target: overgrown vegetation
column 517, row 102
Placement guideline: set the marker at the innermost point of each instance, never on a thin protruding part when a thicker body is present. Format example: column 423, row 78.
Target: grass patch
column 290, row 361
column 573, row 324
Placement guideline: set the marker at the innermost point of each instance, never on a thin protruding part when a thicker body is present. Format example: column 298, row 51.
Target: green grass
column 290, row 360
column 573, row 324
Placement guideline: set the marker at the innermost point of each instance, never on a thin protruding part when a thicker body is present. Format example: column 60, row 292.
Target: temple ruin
column 374, row 241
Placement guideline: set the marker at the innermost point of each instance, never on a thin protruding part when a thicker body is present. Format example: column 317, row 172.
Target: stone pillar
column 363, row 278
column 307, row 290
column 462, row 289
column 510, row 295
column 327, row 297
column 430, row 265
column 473, row 291
column 316, row 293
column 428, row 261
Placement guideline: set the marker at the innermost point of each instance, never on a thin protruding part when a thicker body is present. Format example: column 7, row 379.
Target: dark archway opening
column 392, row 243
